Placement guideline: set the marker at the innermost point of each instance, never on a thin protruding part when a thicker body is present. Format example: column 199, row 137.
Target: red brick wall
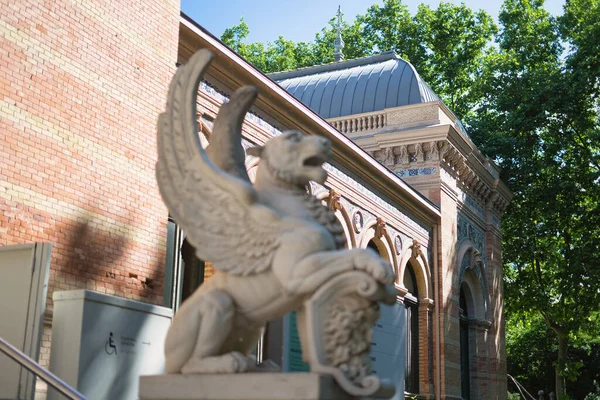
column 81, row 86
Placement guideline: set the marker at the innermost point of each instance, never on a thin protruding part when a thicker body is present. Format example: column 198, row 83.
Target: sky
column 299, row 20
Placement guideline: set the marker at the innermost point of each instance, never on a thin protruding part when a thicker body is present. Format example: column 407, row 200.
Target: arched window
column 371, row 245
column 465, row 378
column 411, row 374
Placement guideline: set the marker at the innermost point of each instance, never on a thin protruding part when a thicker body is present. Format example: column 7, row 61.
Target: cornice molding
column 451, row 150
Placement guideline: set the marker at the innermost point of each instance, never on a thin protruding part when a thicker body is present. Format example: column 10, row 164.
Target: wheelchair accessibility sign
column 110, row 347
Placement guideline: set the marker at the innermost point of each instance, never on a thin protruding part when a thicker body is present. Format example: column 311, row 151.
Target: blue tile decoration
column 214, row 92
column 415, row 171
column 496, row 222
column 478, row 209
column 472, row 204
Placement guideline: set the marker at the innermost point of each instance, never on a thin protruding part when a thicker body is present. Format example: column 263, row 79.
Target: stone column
column 481, row 380
column 426, row 346
column 496, row 335
column 448, row 291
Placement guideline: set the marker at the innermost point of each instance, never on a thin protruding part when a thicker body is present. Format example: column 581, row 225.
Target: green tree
column 356, row 44
column 280, row 55
column 235, row 36
column 446, row 45
column 391, row 27
column 533, row 350
column 542, row 126
column 456, row 39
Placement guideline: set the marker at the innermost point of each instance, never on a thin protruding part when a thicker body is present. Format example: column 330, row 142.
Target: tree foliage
column 529, row 92
column 446, row 45
column 533, row 349
column 539, row 118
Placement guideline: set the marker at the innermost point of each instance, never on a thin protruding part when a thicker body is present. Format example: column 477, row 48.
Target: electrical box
column 101, row 344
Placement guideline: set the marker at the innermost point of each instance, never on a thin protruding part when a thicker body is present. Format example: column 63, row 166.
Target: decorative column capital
column 380, row 228
column 427, row 303
column 333, row 201
column 416, row 249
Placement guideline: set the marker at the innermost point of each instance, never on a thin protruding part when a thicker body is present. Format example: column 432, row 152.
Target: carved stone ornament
column 388, row 159
column 333, row 201
column 434, row 151
column 419, row 156
column 380, row 228
column 358, row 221
column 398, row 244
column 274, row 248
column 404, row 156
column 477, row 261
column 416, row 250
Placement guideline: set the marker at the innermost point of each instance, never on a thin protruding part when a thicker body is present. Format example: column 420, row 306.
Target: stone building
column 82, row 84
column 384, row 106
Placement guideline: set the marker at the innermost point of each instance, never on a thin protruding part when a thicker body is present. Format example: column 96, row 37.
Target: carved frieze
column 419, row 155
column 468, row 231
column 403, row 157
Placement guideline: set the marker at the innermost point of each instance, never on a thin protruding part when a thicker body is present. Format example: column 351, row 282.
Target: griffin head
column 293, row 158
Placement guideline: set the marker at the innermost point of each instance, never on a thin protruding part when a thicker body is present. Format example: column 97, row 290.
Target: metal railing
column 39, row 371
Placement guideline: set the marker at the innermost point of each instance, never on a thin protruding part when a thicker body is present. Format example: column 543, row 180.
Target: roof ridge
column 335, row 66
column 357, row 86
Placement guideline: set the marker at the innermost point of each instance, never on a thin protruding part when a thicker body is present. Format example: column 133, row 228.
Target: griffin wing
column 216, row 206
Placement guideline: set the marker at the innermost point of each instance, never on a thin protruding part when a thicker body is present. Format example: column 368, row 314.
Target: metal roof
column 357, row 86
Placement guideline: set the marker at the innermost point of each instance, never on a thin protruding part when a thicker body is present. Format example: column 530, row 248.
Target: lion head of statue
column 292, row 159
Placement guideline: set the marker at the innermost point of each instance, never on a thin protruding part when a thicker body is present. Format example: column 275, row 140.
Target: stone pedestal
column 247, row 386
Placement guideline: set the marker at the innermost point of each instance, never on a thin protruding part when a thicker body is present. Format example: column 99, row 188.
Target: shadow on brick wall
column 93, row 259
column 110, row 263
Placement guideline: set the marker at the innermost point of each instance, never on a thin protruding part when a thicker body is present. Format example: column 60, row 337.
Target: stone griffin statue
column 273, row 246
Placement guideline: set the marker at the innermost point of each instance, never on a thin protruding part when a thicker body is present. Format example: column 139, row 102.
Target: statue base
column 246, row 386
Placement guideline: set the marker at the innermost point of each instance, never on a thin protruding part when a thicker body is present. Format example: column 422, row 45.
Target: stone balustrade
column 364, row 122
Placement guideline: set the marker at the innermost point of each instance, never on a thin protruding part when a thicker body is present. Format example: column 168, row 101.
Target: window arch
column 378, row 247
column 331, row 199
column 411, row 302
column 471, row 277
column 415, row 256
column 473, row 313
column 379, row 241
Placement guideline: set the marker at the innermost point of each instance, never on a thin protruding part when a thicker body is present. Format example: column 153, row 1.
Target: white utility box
column 101, row 344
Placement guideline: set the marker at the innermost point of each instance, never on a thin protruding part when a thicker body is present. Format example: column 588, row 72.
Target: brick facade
column 81, row 85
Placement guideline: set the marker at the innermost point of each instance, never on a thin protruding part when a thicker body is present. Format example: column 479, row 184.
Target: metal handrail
column 40, row 371
column 519, row 386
